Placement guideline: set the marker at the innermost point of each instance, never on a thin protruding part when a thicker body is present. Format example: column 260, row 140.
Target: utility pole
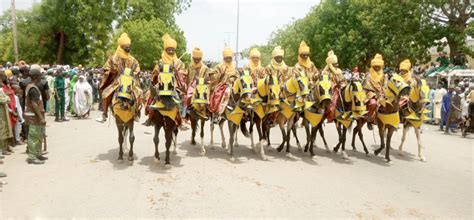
column 15, row 42
column 237, row 43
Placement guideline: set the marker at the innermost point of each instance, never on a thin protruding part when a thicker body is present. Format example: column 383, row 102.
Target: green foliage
column 81, row 31
column 358, row 29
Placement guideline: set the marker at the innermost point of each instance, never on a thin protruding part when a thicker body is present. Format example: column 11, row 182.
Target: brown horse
column 199, row 111
column 239, row 109
column 295, row 94
column 313, row 116
column 166, row 109
column 126, row 105
column 350, row 108
column 414, row 113
column 388, row 117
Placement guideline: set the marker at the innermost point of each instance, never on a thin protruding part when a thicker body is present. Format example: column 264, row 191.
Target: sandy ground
column 82, row 178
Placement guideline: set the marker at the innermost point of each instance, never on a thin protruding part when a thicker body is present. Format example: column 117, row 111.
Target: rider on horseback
column 255, row 66
column 335, row 74
column 277, row 66
column 221, row 81
column 373, row 85
column 113, row 68
column 195, row 72
column 305, row 64
column 169, row 63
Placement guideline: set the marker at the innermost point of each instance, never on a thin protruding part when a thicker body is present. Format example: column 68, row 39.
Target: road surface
column 83, row 179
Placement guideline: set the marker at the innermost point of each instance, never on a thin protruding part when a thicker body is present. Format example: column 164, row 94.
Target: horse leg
column 339, row 134
column 382, row 139
column 231, row 140
column 236, row 142
column 261, row 139
column 193, row 130
column 404, row 136
column 175, row 140
column 321, row 133
column 308, row 133
column 420, row 146
column 266, row 132
column 361, row 138
column 300, row 149
column 314, row 131
column 156, row 140
column 221, row 127
column 132, row 140
column 169, row 128
column 212, row 133
column 120, row 128
column 203, row 150
column 289, row 127
column 343, row 140
column 355, row 131
column 283, row 135
column 389, row 140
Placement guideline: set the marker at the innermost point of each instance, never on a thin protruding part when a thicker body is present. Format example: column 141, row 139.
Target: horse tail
column 244, row 129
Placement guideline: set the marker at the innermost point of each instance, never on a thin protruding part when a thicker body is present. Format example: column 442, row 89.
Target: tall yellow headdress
column 332, row 58
column 303, row 48
column 254, row 65
column 197, row 53
column 377, row 61
column 406, row 65
column 227, row 52
column 277, row 51
column 168, row 42
column 122, row 41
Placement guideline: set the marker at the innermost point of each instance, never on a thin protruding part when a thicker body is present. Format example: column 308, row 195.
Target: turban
column 197, row 53
column 227, row 52
column 124, row 40
column 332, row 58
column 303, row 48
column 405, row 65
column 254, row 53
column 377, row 61
column 168, row 42
column 277, row 51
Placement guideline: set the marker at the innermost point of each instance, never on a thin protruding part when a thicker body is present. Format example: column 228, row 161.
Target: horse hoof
column 157, row 160
column 389, row 162
column 264, row 158
column 280, row 148
column 344, row 155
column 193, row 142
column 232, row 159
column 353, row 149
column 422, row 159
column 376, row 152
column 224, row 145
column 167, row 166
column 290, row 156
column 130, row 162
column 175, row 152
column 203, row 152
column 120, row 160
column 367, row 155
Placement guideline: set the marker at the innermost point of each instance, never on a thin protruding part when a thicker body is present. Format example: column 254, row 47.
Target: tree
column 452, row 18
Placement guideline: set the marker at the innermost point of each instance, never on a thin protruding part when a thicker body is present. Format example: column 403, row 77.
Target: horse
column 267, row 102
column 166, row 107
column 199, row 111
column 350, row 107
column 414, row 113
column 388, row 116
column 295, row 94
column 126, row 105
column 321, row 96
column 240, row 109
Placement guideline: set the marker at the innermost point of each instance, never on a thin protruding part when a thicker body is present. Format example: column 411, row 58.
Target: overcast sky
column 211, row 24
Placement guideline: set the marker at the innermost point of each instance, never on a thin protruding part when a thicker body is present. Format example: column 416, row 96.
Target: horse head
column 419, row 92
column 357, row 98
column 200, row 97
column 166, row 80
column 243, row 87
column 273, row 89
column 396, row 87
column 323, row 91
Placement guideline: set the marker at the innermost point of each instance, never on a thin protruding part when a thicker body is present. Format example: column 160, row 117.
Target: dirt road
column 82, row 178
